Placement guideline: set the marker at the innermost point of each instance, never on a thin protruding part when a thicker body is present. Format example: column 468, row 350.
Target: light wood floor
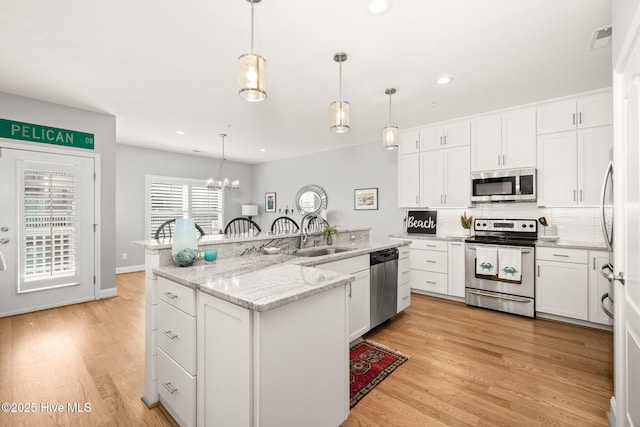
column 468, row 367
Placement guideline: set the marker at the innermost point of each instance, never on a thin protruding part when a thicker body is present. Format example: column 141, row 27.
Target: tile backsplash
column 574, row 224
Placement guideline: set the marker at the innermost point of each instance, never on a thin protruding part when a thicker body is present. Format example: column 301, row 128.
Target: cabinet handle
column 580, row 118
column 430, row 246
column 170, row 334
column 498, row 159
column 504, row 162
column 574, row 119
column 441, row 198
column 430, row 282
column 170, row 295
column 440, row 140
column 538, row 271
column 594, row 263
column 456, row 244
column 405, row 272
column 417, row 201
column 170, row 388
column 431, row 261
column 574, row 195
column 445, row 198
column 407, row 297
column 417, row 144
column 561, row 255
column 349, row 289
column 445, row 139
column 580, row 194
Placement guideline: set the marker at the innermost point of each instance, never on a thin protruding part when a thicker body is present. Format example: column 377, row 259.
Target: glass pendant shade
column 252, row 70
column 340, row 117
column 390, row 138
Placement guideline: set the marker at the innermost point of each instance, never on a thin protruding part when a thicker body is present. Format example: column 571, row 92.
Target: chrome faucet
column 304, row 233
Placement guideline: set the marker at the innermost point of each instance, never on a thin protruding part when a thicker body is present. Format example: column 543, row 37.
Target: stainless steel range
column 500, row 265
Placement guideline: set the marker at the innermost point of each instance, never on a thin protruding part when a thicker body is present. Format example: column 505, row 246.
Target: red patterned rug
column 370, row 364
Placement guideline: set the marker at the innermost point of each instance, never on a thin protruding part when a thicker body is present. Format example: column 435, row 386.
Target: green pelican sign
column 45, row 134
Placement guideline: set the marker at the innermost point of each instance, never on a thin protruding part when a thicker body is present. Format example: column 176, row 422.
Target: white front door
column 46, row 230
column 626, row 178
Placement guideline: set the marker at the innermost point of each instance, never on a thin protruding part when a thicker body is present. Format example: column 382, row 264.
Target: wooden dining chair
column 167, row 227
column 241, row 225
column 284, row 224
column 316, row 223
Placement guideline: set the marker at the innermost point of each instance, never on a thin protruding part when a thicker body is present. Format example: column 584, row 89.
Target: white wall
column 134, row 163
column 103, row 126
column 339, row 172
column 623, row 11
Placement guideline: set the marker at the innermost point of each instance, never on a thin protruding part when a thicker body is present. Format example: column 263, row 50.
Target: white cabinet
column 455, row 269
column 404, row 278
column 176, row 341
column 360, row 292
column 250, row 363
column 505, row 140
column 409, row 180
column 409, row 141
column 444, row 177
column 428, row 260
column 598, row 286
column 448, row 135
column 562, row 282
column 580, row 113
column 572, row 166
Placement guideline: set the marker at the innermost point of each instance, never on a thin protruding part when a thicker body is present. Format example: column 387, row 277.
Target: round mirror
column 311, row 199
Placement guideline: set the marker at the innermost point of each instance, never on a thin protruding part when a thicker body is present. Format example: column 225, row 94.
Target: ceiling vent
column 601, row 38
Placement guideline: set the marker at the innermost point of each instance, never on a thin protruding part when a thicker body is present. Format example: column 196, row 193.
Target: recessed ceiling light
column 263, row 150
column 378, row 7
column 180, row 132
column 444, row 80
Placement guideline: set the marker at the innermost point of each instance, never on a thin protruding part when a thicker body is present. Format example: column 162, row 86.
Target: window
column 172, row 198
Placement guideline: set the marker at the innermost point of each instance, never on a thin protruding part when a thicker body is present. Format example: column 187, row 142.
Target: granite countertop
column 264, row 282
column 565, row 244
column 449, row 238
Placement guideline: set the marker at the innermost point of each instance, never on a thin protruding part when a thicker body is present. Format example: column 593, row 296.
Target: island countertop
column 264, row 282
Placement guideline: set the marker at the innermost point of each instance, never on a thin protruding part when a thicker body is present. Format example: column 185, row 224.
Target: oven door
column 524, row 288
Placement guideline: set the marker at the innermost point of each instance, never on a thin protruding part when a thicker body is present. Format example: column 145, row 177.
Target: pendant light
column 252, row 70
column 390, row 133
column 219, row 183
column 340, row 108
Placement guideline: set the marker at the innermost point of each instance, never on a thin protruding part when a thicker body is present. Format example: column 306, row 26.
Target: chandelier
column 220, row 183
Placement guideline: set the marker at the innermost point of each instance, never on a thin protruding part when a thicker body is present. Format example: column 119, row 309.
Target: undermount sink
column 312, row 252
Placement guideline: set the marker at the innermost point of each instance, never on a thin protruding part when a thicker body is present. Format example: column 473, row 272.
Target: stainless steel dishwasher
column 384, row 286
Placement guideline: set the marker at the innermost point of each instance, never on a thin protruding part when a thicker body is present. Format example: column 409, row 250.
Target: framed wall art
column 365, row 199
column 269, row 202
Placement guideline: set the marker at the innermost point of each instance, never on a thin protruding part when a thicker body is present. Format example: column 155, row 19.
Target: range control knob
column 524, row 225
column 530, row 225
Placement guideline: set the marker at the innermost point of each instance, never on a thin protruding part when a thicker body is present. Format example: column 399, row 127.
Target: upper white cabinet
column 409, row 141
column 580, row 113
column 455, row 134
column 505, row 140
column 408, row 180
column 571, row 166
column 444, row 177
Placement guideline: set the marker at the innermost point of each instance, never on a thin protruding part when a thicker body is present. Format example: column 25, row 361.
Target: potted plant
column 466, row 222
column 328, row 232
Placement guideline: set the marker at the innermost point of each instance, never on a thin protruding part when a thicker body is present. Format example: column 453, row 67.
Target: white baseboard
column 108, row 293
column 130, row 269
column 612, row 412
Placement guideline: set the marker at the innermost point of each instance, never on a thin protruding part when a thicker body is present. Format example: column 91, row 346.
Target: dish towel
column 486, row 261
column 510, row 264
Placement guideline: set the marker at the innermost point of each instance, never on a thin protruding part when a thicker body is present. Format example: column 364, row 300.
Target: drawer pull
column 170, row 295
column 170, row 334
column 561, row 255
column 431, row 246
column 407, row 297
column 430, row 282
column 170, row 388
column 431, row 261
column 405, row 272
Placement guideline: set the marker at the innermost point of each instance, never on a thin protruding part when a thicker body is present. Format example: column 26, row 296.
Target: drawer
column 429, row 281
column 177, row 295
column 347, row 266
column 433, row 245
column 404, row 297
column 177, row 335
column 577, row 256
column 177, row 389
column 403, row 252
column 404, row 271
column 428, row 260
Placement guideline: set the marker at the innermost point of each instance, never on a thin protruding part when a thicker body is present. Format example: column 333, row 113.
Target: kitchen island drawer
column 179, row 296
column 404, row 271
column 177, row 335
column 429, row 281
column 404, row 297
column 177, row 390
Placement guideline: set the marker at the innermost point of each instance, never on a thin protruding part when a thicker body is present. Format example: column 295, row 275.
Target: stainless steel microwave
column 508, row 185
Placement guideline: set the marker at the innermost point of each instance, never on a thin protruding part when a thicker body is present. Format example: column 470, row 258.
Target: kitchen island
column 251, row 339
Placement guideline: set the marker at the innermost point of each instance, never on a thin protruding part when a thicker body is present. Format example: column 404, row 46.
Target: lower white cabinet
column 254, row 368
column 562, row 282
column 360, row 295
column 177, row 390
column 455, row 269
column 404, row 278
column 598, row 286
